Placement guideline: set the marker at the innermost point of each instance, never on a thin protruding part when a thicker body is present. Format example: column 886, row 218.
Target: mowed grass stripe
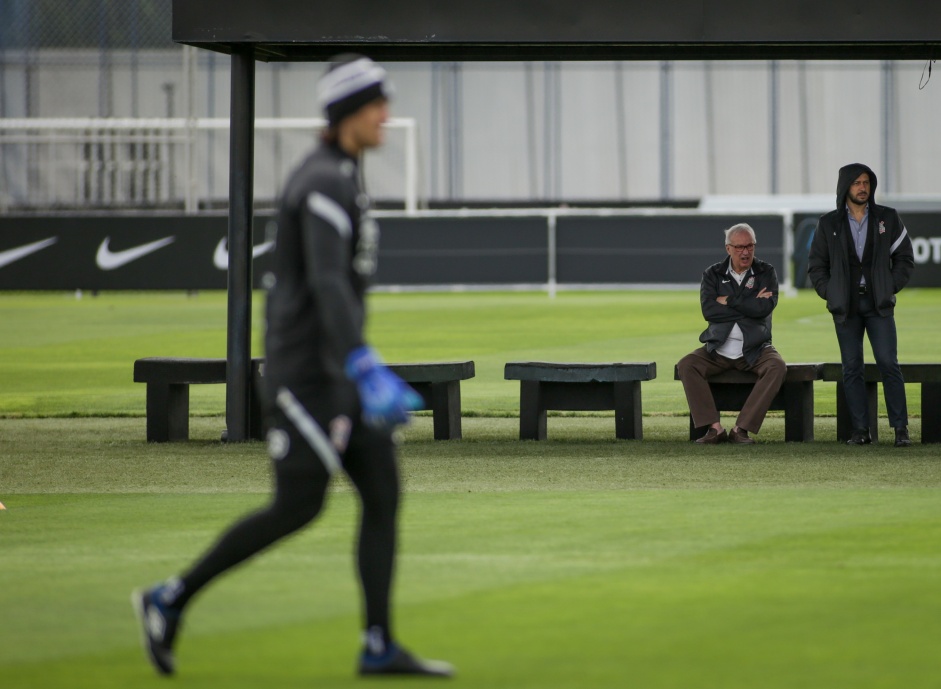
column 109, row 455
column 52, row 343
column 545, row 589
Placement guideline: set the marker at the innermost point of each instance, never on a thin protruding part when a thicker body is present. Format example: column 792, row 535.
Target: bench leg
column 444, row 401
column 844, row 425
column 446, row 409
column 798, row 411
column 931, row 412
column 628, row 414
column 168, row 412
column 532, row 415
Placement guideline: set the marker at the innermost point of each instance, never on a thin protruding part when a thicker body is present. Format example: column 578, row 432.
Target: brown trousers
column 696, row 367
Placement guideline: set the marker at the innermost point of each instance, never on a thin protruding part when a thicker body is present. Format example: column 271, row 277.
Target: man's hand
column 722, row 300
column 764, row 294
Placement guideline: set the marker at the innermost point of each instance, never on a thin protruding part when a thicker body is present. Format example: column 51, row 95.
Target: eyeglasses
column 742, row 247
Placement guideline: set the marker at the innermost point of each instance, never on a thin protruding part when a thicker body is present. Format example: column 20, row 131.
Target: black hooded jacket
column 891, row 251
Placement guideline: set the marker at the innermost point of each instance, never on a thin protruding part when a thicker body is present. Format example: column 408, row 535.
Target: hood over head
column 848, row 175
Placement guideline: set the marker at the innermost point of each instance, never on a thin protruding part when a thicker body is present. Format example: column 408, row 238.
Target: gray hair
column 740, row 227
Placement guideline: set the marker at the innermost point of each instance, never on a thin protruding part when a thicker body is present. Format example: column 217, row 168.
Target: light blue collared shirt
column 859, row 230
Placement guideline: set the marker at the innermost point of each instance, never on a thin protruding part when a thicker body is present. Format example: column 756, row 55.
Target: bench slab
column 580, row 387
column 580, row 373
column 436, row 372
column 927, row 374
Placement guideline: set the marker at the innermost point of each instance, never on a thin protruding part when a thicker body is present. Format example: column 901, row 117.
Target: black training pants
column 311, row 436
column 884, row 340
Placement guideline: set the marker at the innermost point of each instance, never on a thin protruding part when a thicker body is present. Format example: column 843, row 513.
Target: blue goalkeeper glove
column 385, row 398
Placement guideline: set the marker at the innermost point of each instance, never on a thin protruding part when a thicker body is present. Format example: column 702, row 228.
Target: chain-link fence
column 104, row 24
column 83, row 58
column 103, row 47
column 100, row 109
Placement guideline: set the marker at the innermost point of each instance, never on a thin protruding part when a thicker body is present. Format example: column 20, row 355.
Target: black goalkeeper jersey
column 325, row 252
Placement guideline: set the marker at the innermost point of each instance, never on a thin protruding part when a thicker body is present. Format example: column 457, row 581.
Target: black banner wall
column 120, row 252
column 128, row 252
column 474, row 250
column 652, row 249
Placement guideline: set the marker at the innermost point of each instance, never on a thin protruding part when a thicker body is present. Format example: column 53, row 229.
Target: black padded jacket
column 752, row 314
column 893, row 258
column 325, row 252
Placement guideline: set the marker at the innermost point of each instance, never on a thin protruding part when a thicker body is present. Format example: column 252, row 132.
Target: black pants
column 884, row 341
column 312, row 435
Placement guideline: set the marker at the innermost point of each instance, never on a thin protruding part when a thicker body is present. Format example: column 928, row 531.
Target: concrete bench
column 731, row 388
column 439, row 384
column 580, row 387
column 928, row 375
column 168, row 380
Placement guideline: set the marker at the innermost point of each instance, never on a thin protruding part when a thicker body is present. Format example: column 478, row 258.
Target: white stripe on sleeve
column 326, row 208
column 898, row 241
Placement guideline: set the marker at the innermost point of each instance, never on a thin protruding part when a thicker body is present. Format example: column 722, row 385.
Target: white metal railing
column 132, row 162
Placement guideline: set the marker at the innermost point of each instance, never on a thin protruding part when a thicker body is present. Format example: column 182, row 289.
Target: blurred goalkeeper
column 332, row 404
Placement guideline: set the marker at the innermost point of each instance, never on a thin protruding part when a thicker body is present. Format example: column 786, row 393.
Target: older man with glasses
column 737, row 296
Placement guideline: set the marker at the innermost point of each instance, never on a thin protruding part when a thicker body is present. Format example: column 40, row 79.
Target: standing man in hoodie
column 332, row 405
column 860, row 258
column 737, row 296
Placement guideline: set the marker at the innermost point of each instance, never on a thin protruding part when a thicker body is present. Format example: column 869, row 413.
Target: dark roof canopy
column 426, row 30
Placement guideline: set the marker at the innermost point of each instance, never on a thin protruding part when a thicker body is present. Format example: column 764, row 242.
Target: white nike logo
column 109, row 260
column 725, row 281
column 220, row 257
column 10, row 255
column 156, row 624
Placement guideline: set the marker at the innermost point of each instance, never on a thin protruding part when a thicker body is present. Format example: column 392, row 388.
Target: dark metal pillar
column 241, row 171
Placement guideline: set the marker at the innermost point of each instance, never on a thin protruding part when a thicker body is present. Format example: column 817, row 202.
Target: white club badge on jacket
column 340, row 428
column 750, row 283
column 882, row 227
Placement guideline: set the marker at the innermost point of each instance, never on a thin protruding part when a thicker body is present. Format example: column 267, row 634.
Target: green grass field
column 581, row 561
column 62, row 356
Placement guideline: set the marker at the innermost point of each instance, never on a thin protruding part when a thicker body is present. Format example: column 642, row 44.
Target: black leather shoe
column 901, row 437
column 740, row 437
column 860, row 437
column 712, row 437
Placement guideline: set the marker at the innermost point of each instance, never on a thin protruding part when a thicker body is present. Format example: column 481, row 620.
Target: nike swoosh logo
column 109, row 260
column 220, row 257
column 725, row 281
column 10, row 255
